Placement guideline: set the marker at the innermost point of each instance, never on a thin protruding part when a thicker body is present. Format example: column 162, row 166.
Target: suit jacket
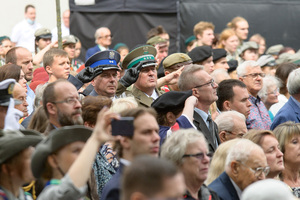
column 224, row 188
column 201, row 126
column 91, row 51
column 289, row 112
column 112, row 189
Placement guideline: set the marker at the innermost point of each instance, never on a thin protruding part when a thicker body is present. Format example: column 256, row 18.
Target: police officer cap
column 57, row 139
column 266, row 60
column 219, row 53
column 175, row 58
column 199, row 54
column 43, row 33
column 170, row 101
column 233, row 64
column 6, row 90
column 144, row 53
column 69, row 39
column 157, row 40
column 13, row 142
column 248, row 45
column 107, row 59
column 274, row 50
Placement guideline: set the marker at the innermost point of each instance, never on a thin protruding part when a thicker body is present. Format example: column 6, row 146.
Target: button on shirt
column 259, row 117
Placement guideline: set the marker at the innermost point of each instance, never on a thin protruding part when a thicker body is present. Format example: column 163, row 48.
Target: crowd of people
column 210, row 123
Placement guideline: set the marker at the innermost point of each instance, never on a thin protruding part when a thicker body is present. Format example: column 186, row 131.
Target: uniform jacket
column 224, row 188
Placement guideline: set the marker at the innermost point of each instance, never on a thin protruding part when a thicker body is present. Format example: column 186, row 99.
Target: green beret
column 175, row 58
column 190, row 39
column 157, row 40
column 3, row 37
column 117, row 46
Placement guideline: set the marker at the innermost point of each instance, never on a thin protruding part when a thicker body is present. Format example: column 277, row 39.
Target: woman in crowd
column 229, row 41
column 288, row 135
column 269, row 92
column 261, row 41
column 15, row 154
column 188, row 149
column 269, row 143
column 13, row 71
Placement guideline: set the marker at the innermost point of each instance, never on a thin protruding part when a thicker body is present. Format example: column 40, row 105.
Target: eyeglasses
column 211, row 82
column 258, row 171
column 106, row 36
column 70, row 100
column 199, row 156
column 275, row 92
column 239, row 135
column 255, row 75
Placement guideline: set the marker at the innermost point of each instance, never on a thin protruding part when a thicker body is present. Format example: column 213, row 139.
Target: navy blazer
column 224, row 188
column 201, row 126
column 112, row 189
column 91, row 51
column 289, row 112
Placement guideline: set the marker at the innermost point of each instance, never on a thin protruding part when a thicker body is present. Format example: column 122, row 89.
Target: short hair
column 241, row 70
column 225, row 120
column 225, row 91
column 91, row 106
column 49, row 56
column 219, row 75
column 186, row 80
column 285, row 132
column 268, row 82
column 10, row 71
column 146, row 175
column 234, row 21
column 49, row 94
column 282, row 72
column 29, row 6
column 175, row 146
column 240, row 152
column 226, row 33
column 257, row 38
column 122, row 104
column 98, row 32
column 200, row 27
column 156, row 31
column 11, row 55
column 217, row 164
column 293, row 82
column 39, row 91
column 257, row 136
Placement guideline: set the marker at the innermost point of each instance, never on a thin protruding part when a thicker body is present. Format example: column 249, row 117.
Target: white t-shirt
column 23, row 34
column 64, row 32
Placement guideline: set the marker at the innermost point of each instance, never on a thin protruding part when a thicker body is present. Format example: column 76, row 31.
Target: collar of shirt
column 154, row 95
column 203, row 115
column 254, row 100
column 102, row 48
column 125, row 162
column 237, row 189
column 296, row 102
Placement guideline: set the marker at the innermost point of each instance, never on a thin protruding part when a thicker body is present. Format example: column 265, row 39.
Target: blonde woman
column 229, row 41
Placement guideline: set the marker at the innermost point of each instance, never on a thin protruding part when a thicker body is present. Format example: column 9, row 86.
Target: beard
column 69, row 120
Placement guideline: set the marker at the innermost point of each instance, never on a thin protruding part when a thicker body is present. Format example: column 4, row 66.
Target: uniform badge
column 111, row 55
column 145, row 49
column 10, row 88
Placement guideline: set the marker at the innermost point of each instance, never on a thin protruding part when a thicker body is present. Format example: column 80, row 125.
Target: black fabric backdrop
column 130, row 20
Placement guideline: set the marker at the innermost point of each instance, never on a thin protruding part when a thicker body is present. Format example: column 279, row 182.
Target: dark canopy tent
column 130, row 20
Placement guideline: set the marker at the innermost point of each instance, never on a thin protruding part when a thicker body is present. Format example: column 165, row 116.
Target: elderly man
column 233, row 95
column 61, row 104
column 290, row 111
column 195, row 78
column 103, row 41
column 141, row 71
column 204, row 32
column 251, row 74
column 152, row 178
column 231, row 125
column 22, row 57
column 19, row 93
column 144, row 140
column 65, row 26
column 246, row 163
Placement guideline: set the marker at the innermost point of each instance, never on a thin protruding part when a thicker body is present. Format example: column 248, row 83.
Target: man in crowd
column 233, row 95
column 204, row 32
column 195, row 78
column 162, row 48
column 19, row 93
column 231, row 125
column 65, row 26
column 251, row 74
column 103, row 41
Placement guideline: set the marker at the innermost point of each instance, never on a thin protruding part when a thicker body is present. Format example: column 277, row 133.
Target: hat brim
column 49, row 36
column 17, row 102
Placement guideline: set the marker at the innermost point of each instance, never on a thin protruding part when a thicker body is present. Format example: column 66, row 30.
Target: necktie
column 211, row 128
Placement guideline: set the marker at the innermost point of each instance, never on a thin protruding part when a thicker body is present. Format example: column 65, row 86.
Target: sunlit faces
column 30, row 14
column 221, row 64
column 242, row 29
column 25, row 61
column 19, row 93
column 162, row 52
column 70, row 49
column 60, row 68
column 250, row 54
column 274, row 155
column 6, row 46
column 292, row 151
column 240, row 101
column 43, row 42
column 106, row 83
column 254, row 84
column 105, row 38
column 207, row 37
column 231, row 44
column 272, row 95
column 147, row 79
column 208, row 65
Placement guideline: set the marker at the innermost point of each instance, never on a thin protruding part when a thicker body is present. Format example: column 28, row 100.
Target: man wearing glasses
column 195, row 78
column 245, row 164
column 251, row 74
column 103, row 39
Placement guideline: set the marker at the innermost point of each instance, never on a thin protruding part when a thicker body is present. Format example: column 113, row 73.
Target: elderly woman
column 269, row 92
column 288, row 135
column 269, row 143
column 188, row 149
column 15, row 153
